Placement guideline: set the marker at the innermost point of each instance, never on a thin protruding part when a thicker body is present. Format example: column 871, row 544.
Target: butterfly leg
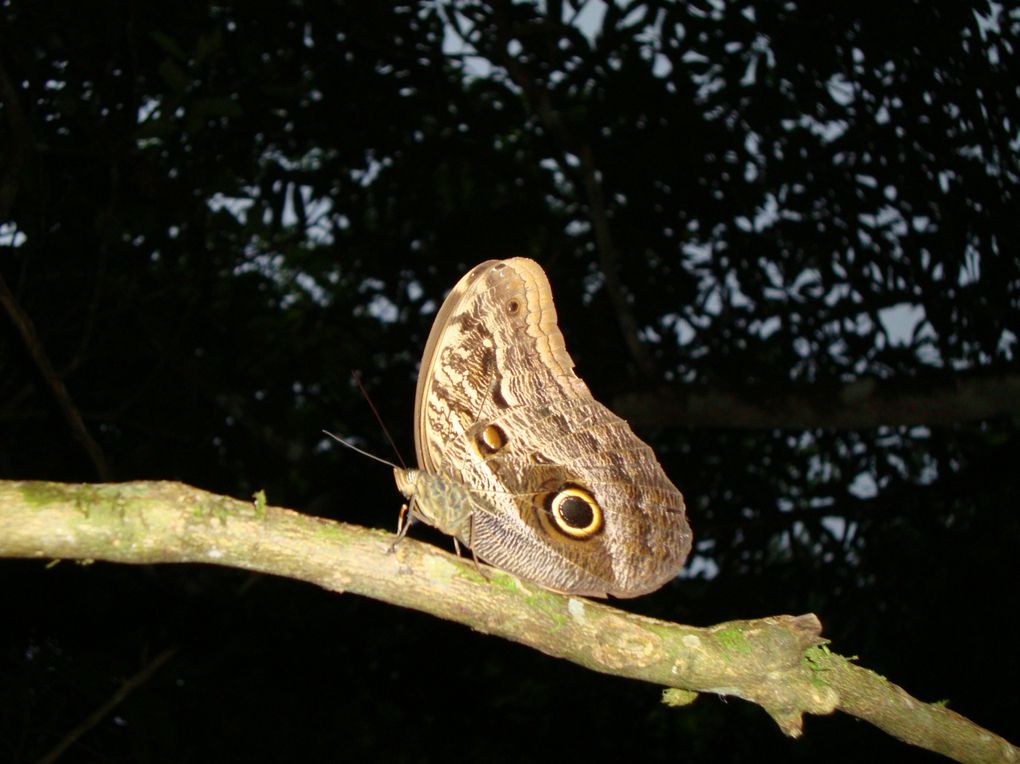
column 474, row 557
column 404, row 520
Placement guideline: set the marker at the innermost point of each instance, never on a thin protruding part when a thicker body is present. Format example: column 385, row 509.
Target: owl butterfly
column 520, row 463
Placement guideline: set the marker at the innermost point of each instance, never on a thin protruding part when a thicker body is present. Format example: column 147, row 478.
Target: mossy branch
column 779, row 663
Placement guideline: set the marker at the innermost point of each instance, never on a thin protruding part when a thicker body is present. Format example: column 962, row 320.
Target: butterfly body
column 519, row 461
column 443, row 503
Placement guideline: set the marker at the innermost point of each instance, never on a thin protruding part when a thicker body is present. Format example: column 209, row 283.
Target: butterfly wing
column 567, row 495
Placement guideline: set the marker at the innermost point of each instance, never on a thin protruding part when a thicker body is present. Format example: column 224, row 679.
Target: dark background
column 211, row 214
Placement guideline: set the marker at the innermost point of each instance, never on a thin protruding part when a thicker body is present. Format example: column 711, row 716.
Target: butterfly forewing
column 562, row 492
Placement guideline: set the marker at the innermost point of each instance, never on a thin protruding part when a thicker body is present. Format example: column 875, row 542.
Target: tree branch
column 129, row 685
column 775, row 662
column 54, row 384
column 942, row 400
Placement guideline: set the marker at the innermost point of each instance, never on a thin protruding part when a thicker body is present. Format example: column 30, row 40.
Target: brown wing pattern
column 568, row 495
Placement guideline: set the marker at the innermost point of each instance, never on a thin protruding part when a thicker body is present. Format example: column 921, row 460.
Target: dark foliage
column 212, row 213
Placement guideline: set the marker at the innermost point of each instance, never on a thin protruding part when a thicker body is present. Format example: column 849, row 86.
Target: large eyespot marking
column 575, row 512
column 490, row 440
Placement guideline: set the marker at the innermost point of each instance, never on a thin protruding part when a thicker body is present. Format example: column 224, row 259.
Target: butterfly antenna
column 375, row 412
column 361, row 451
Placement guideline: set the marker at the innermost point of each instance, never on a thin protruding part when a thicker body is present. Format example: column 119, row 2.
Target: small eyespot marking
column 513, row 306
column 490, row 440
